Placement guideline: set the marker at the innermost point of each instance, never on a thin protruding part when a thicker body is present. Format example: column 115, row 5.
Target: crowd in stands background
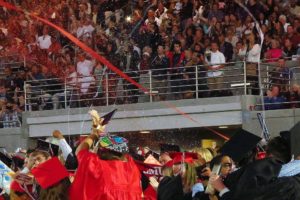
column 137, row 36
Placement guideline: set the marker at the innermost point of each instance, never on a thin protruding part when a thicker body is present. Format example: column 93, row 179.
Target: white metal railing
column 10, row 124
column 14, row 61
column 163, row 84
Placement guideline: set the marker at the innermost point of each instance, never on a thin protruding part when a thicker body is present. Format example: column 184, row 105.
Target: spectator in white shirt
column 253, row 57
column 215, row 74
column 152, row 18
column 161, row 12
column 85, row 29
column 84, row 66
column 84, row 70
column 254, row 50
column 282, row 20
column 44, row 41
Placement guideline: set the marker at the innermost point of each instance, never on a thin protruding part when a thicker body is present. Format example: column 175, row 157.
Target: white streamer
column 261, row 35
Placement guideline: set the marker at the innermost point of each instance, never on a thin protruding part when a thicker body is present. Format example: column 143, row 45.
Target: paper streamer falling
column 103, row 60
column 262, row 37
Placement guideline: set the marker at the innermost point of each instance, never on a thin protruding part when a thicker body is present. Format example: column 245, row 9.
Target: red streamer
column 103, row 61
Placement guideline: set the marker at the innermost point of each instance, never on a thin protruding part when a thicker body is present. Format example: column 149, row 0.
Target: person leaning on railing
column 281, row 75
column 159, row 66
column 252, row 58
column 10, row 115
column 274, row 100
column 215, row 59
column 293, row 96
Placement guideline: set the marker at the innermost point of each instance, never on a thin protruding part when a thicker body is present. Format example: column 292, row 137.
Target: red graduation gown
column 98, row 179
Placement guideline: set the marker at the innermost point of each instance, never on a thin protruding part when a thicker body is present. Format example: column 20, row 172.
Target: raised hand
column 57, row 134
column 96, row 120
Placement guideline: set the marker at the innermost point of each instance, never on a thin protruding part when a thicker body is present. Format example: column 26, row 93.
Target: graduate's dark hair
column 106, row 154
column 56, row 192
column 279, row 149
column 18, row 195
column 249, row 157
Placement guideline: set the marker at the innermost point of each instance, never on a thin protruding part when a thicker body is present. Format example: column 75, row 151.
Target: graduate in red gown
column 110, row 173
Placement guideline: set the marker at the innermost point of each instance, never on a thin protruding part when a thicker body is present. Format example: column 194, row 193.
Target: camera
column 208, row 55
column 9, row 107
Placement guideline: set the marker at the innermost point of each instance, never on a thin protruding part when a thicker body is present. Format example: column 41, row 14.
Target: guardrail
column 189, row 82
column 14, row 61
column 287, row 98
column 10, row 123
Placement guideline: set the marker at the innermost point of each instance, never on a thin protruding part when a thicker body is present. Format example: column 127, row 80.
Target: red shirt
column 98, row 179
column 274, row 54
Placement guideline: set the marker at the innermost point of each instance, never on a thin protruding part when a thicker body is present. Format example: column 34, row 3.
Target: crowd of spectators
column 109, row 166
column 137, row 36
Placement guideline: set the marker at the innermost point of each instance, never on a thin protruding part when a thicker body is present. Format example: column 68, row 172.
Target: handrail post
column 65, row 93
column 245, row 78
column 268, row 80
column 289, row 79
column 196, row 76
column 24, row 60
column 106, row 89
column 25, row 92
column 150, row 82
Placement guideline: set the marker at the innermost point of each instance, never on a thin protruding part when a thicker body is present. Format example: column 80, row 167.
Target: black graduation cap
column 7, row 160
column 52, row 149
column 293, row 139
column 107, row 117
column 240, row 144
column 136, row 156
column 154, row 154
column 18, row 160
column 169, row 148
column 71, row 162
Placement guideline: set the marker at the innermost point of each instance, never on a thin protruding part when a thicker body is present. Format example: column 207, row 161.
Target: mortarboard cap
column 240, row 144
column 49, row 173
column 286, row 135
column 295, row 140
column 136, row 156
column 71, row 162
column 18, row 160
column 168, row 164
column 7, row 160
column 292, row 138
column 107, row 117
column 169, row 148
column 52, row 149
column 154, row 154
column 152, row 160
column 114, row 143
column 188, row 157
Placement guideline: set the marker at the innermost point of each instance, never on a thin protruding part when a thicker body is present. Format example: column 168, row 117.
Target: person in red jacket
column 110, row 173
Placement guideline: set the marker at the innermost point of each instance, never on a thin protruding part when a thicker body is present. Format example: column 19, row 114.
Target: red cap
column 169, row 163
column 188, row 157
column 50, row 173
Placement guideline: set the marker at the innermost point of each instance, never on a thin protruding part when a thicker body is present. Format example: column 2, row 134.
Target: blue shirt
column 290, row 169
column 274, row 103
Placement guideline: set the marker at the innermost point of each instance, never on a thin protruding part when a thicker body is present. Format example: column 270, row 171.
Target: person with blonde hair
column 203, row 154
